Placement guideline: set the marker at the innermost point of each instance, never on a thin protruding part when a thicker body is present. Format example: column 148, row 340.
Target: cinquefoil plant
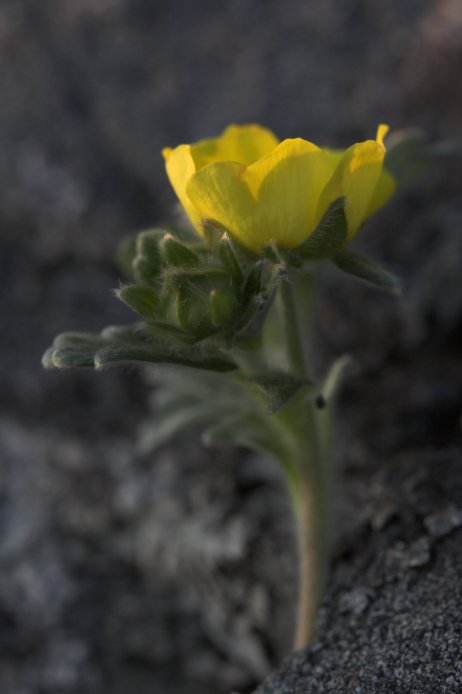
column 227, row 301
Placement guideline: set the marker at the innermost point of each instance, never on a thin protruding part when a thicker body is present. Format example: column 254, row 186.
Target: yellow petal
column 358, row 184
column 287, row 184
column 382, row 132
column 180, row 167
column 274, row 199
column 218, row 193
column 238, row 143
column 355, row 178
column 241, row 143
column 384, row 189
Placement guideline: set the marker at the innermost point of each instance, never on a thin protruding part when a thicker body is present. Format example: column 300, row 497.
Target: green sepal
column 229, row 261
column 146, row 301
column 213, row 232
column 328, row 237
column 145, row 273
column 113, row 347
column 222, row 307
column 177, row 254
column 258, row 296
column 126, row 254
column 193, row 290
column 364, row 268
column 148, row 262
column 254, row 282
column 279, row 254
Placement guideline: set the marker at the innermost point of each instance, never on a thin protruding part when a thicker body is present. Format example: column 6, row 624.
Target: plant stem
column 307, row 425
column 294, row 337
column 312, row 516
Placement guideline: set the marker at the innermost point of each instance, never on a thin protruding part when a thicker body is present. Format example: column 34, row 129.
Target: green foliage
column 369, row 270
column 200, row 299
column 131, row 345
column 277, row 387
column 329, row 236
column 408, row 156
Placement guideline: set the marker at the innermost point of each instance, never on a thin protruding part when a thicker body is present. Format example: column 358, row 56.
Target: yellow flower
column 263, row 190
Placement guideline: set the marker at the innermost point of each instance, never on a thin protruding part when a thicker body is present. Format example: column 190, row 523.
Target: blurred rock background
column 175, row 574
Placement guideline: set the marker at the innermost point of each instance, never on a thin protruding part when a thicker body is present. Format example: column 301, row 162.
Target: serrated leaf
column 369, row 270
column 111, row 348
column 171, row 331
column 158, row 351
column 77, row 340
column 72, row 350
column 66, row 358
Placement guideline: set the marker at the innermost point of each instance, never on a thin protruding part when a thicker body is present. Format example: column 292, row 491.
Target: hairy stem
column 294, row 337
column 307, row 425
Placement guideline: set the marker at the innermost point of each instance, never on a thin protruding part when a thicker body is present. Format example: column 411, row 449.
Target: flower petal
column 241, row 143
column 180, row 167
column 218, row 193
column 386, row 186
column 355, row 178
column 274, row 199
column 287, row 184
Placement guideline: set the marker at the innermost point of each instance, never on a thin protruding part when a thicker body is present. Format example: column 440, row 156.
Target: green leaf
column 145, row 273
column 148, row 262
column 369, row 270
column 255, row 431
column 64, row 358
column 407, row 157
column 184, row 399
column 148, row 245
column 170, row 331
column 177, row 254
column 146, row 301
column 167, row 423
column 329, row 236
column 158, row 351
column 72, row 350
column 277, row 387
column 136, row 345
column 125, row 256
